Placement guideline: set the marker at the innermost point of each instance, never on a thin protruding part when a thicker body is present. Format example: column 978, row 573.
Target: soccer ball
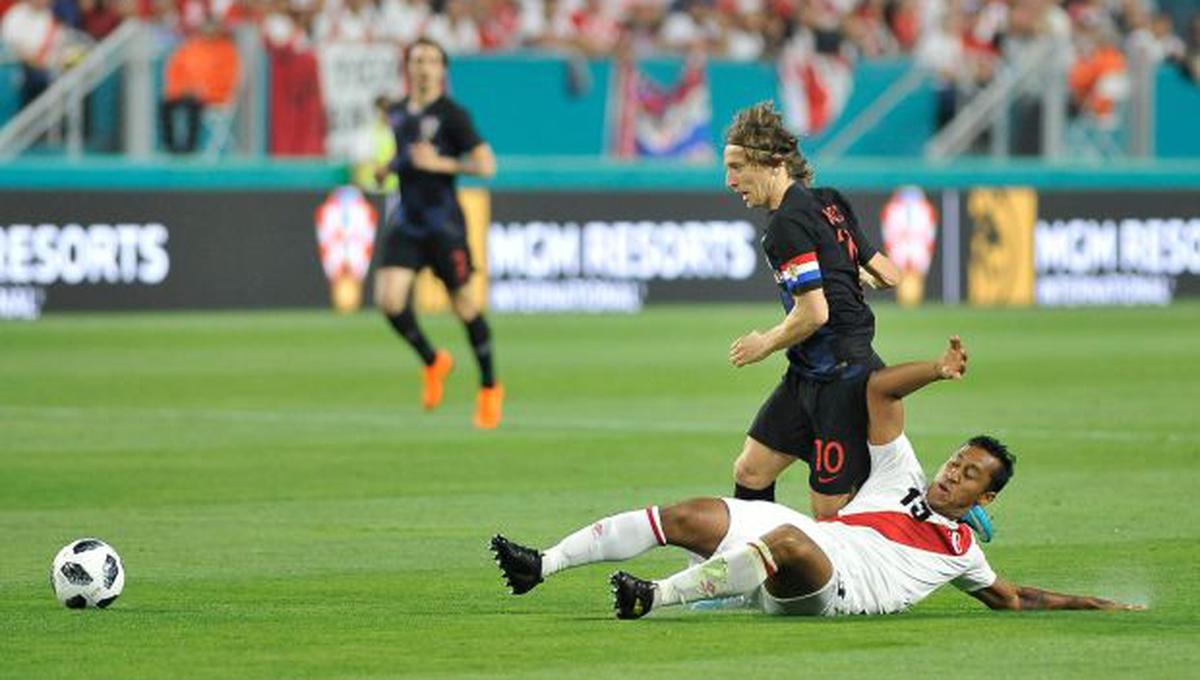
column 87, row 573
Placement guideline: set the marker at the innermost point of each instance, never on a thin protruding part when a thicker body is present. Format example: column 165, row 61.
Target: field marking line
column 632, row 425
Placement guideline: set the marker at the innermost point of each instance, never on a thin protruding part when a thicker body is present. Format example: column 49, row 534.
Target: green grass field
column 286, row 510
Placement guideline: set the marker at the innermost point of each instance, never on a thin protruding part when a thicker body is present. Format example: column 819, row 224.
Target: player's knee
column 790, row 546
column 826, row 506
column 464, row 306
column 390, row 305
column 680, row 522
column 750, row 474
column 697, row 525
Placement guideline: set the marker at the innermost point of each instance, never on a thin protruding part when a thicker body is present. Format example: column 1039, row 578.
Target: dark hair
column 1002, row 455
column 761, row 132
column 431, row 43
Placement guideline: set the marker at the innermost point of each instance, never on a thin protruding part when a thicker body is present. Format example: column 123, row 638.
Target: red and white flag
column 813, row 87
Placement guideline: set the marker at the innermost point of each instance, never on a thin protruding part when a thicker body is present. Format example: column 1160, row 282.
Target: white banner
column 352, row 76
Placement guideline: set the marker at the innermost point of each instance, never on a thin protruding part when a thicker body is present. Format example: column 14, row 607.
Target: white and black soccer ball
column 87, row 573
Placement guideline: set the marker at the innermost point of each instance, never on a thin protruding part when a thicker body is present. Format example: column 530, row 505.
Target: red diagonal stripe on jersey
column 903, row 529
column 803, row 258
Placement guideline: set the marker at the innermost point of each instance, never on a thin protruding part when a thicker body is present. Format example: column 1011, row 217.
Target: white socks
column 618, row 537
column 736, row 571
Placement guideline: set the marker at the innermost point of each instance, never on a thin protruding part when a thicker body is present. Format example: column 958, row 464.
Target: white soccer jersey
column 888, row 548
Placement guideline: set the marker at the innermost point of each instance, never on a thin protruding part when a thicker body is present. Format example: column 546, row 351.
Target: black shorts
column 446, row 253
column 822, row 423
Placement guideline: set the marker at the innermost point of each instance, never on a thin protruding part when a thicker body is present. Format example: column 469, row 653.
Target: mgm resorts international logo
column 34, row 257
column 1114, row 262
column 597, row 265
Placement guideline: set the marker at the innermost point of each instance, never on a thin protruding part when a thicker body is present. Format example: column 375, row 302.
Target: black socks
column 405, row 324
column 748, row 494
column 481, row 343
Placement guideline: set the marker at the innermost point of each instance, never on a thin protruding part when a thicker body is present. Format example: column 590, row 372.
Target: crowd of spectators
column 941, row 31
column 962, row 41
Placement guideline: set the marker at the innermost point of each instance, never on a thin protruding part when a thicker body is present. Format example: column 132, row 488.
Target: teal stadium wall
column 516, row 98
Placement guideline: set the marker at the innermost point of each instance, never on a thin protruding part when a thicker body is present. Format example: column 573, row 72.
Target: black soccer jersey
column 813, row 241
column 427, row 199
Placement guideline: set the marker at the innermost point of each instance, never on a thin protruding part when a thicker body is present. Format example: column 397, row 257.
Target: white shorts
column 749, row 521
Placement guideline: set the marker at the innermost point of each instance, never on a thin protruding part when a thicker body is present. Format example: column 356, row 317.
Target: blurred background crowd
column 962, row 42
column 945, row 33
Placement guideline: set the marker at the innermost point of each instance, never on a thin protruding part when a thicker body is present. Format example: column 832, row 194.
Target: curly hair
column 761, row 132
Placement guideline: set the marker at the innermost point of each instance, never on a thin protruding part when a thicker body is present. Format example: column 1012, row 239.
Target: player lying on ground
column 888, row 549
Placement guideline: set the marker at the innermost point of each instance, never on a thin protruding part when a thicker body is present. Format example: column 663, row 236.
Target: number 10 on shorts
column 828, row 458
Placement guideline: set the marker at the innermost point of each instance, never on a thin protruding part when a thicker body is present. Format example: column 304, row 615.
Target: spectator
column 744, row 35
column 67, row 12
column 535, row 19
column 1098, row 78
column 592, row 29
column 203, row 72
column 941, row 52
column 297, row 113
column 455, row 29
column 101, row 17
column 694, row 26
column 349, row 21
column 641, row 28
column 1191, row 60
column 867, row 29
column 403, row 21
column 499, row 24
column 42, row 44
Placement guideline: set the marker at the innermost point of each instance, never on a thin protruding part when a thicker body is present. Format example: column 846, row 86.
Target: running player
column 818, row 254
column 435, row 142
column 888, row 549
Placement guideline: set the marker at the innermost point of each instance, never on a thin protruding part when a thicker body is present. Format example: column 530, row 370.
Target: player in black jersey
column 435, row 142
column 820, row 257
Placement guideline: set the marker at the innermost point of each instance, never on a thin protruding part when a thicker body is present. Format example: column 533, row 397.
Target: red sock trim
column 658, row 534
column 765, row 556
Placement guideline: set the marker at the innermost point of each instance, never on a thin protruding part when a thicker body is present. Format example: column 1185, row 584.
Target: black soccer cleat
column 632, row 596
column 521, row 566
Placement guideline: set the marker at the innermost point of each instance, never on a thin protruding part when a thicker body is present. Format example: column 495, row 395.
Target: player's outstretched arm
column 1009, row 596
column 887, row 388
column 809, row 312
column 880, row 272
column 480, row 162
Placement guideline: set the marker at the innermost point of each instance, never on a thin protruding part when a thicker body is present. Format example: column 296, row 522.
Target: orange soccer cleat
column 488, row 405
column 434, row 379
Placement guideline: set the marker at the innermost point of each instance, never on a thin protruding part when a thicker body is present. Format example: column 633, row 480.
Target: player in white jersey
column 889, row 548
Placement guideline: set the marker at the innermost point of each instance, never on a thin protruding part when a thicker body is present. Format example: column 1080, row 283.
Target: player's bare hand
column 425, row 157
column 869, row 280
column 748, row 349
column 381, row 175
column 1109, row 605
column 953, row 364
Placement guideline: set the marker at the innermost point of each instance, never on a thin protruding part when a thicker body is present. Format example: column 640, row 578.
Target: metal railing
column 1044, row 66
column 60, row 107
column 870, row 117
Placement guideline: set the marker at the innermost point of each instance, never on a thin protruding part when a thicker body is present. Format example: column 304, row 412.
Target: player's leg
column 756, row 469
column 453, row 266
column 778, row 436
column 394, row 280
column 785, row 560
column 698, row 525
column 840, row 459
column 393, row 289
